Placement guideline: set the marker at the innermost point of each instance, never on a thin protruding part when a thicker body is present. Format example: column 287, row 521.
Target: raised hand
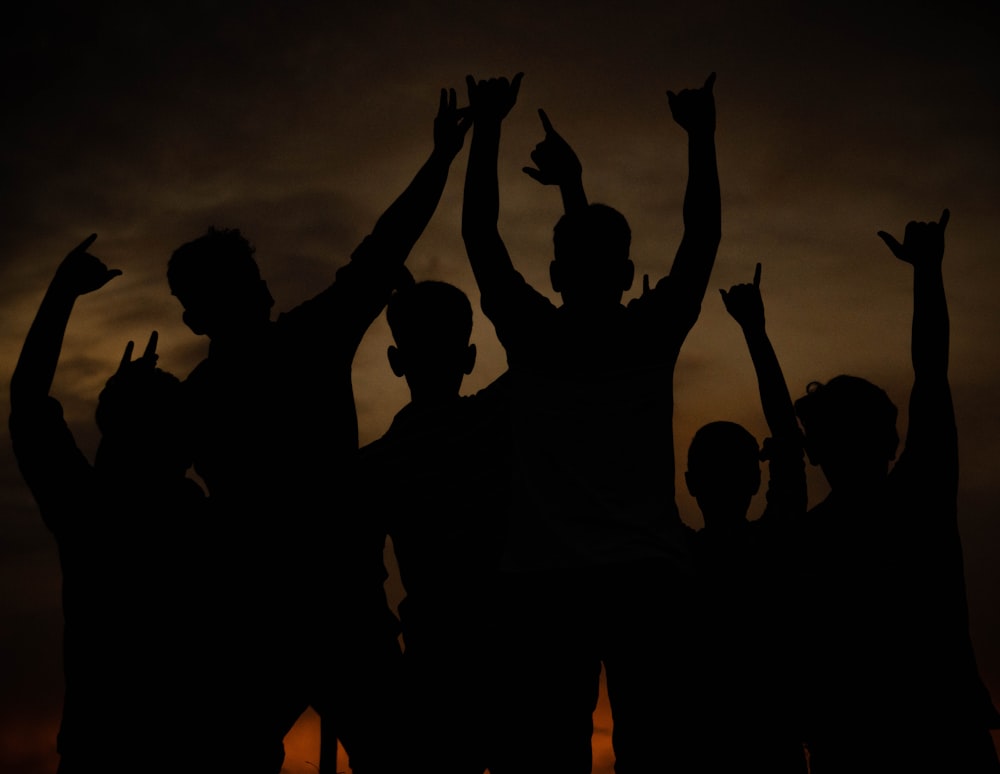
column 694, row 109
column 923, row 243
column 744, row 304
column 148, row 359
column 555, row 161
column 492, row 99
column 450, row 124
column 80, row 272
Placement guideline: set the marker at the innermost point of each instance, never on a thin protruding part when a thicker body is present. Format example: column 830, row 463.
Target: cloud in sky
column 301, row 122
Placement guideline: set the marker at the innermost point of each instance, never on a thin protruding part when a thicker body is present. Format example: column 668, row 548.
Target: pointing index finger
column 945, row 217
column 150, row 351
column 756, row 276
column 515, row 85
column 86, row 243
column 546, row 124
column 127, row 357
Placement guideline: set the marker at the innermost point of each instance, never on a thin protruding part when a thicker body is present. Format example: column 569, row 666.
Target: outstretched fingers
column 127, row 357
column 892, row 243
column 150, row 352
column 515, row 86
column 546, row 123
column 85, row 244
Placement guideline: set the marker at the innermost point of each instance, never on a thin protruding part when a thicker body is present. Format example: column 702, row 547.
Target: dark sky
column 300, row 122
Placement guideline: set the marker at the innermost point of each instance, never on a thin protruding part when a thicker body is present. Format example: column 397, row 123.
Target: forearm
column 406, row 218
column 481, row 208
column 702, row 198
column 36, row 365
column 776, row 401
column 481, row 201
column 931, row 326
column 702, row 216
column 574, row 197
column 931, row 435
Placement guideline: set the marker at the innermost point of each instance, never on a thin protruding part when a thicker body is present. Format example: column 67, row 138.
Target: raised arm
column 78, row 274
column 401, row 225
column 556, row 163
column 786, row 492
column 923, row 249
column 744, row 304
column 694, row 111
column 490, row 102
column 931, row 424
column 363, row 287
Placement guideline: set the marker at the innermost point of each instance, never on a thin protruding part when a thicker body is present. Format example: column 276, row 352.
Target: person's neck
column 239, row 339
column 432, row 399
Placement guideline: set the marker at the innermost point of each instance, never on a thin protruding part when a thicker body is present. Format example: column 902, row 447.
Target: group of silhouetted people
column 534, row 523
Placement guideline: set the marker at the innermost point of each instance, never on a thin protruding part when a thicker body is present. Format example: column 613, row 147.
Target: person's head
column 217, row 281
column 591, row 266
column 431, row 323
column 850, row 430
column 723, row 472
column 144, row 425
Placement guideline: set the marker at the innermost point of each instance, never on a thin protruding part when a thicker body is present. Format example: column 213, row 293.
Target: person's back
column 138, row 673
column 595, row 548
column 276, row 441
column 439, row 476
column 893, row 675
column 746, row 660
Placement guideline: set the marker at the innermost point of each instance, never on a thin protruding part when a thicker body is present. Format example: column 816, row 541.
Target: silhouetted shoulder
column 518, row 313
column 667, row 307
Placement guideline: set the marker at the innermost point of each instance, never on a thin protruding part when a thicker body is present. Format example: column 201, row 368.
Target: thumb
column 533, row 173
column 891, row 242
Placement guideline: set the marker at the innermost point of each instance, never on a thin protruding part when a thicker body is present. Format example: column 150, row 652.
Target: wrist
column 444, row 154
column 62, row 289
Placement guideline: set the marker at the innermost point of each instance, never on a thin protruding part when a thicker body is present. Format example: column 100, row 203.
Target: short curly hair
column 209, row 264
column 846, row 407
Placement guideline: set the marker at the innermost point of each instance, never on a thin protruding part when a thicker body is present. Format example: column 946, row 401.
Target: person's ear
column 893, row 446
column 555, row 276
column 396, row 361
column 692, row 484
column 470, row 360
column 628, row 275
column 265, row 294
column 815, row 458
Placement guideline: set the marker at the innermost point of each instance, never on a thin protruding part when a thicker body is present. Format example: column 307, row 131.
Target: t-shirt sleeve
column 518, row 313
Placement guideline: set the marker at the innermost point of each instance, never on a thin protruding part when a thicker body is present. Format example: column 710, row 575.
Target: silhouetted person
column 136, row 690
column 597, row 567
column 747, row 659
column 275, row 442
column 441, row 472
column 893, row 679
